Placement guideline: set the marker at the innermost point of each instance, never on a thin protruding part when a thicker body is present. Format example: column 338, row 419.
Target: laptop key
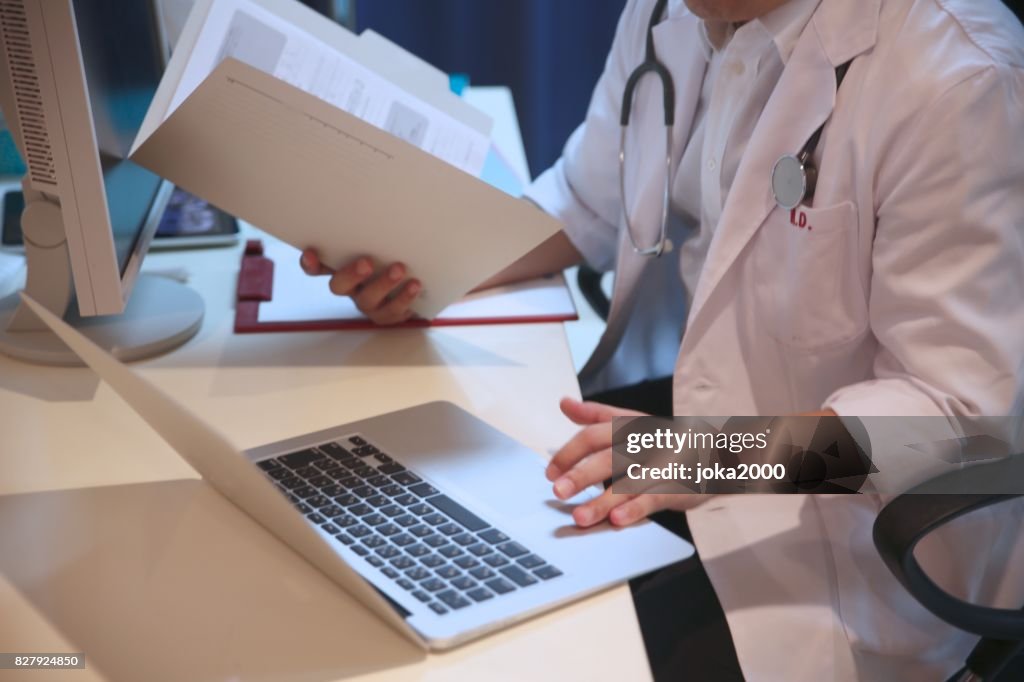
column 374, row 541
column 422, row 596
column 406, row 584
column 315, row 518
column 403, row 539
column 547, row 572
column 359, row 531
column 438, row 609
column 419, row 509
column 365, row 450
column 343, row 538
column 463, row 583
column 464, row 539
column 433, row 584
column 447, row 572
column 435, row 541
column 304, row 508
column 480, row 594
column 453, row 599
column 269, row 464
column 297, row 460
column 417, row 550
column 318, row 500
column 482, row 573
column 417, row 573
column 450, row 529
column 518, row 576
column 333, row 490
column 307, row 472
column 376, row 519
column 388, row 529
column 391, row 489
column 493, row 536
column 495, row 560
column 364, row 490
column 457, row 512
column 357, row 441
column 378, row 481
column 406, row 478
column 392, row 510
column 432, row 561
column 375, row 561
column 390, row 467
column 387, row 551
column 378, row 500
column 402, row 562
column 513, row 549
column 360, row 509
column 345, row 521
column 500, row 585
column 291, row 482
column 363, row 471
column 479, row 549
column 423, row 489
column 278, row 474
column 406, row 520
column 382, row 458
column 421, row 531
column 347, row 500
column 450, row 551
column 407, row 499
column 435, row 519
column 466, row 562
column 390, row 572
column 321, row 481
column 331, row 510
column 333, row 450
column 531, row 561
column 360, row 550
column 306, row 492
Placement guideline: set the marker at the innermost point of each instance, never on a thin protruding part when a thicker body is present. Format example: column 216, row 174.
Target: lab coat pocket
column 810, row 295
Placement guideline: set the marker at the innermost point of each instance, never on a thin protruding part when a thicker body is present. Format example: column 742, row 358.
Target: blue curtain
column 549, row 52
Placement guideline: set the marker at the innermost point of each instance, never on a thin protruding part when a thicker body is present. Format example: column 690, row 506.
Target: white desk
column 109, row 545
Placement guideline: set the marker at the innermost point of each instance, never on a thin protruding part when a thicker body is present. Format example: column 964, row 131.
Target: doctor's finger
column 597, row 509
column 589, row 412
column 311, row 265
column 589, row 471
column 588, row 440
column 374, row 293
column 345, row 280
column 397, row 309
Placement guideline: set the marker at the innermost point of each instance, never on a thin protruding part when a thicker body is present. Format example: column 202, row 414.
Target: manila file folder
column 315, row 176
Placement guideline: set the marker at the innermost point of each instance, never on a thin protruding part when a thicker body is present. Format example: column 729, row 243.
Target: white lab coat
column 906, row 298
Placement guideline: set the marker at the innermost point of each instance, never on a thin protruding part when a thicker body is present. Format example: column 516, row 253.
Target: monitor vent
column 28, row 99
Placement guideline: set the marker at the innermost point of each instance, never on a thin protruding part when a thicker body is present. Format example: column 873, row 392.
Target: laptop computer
column 437, row 522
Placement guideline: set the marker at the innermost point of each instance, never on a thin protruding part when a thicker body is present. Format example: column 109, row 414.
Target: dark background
column 549, row 52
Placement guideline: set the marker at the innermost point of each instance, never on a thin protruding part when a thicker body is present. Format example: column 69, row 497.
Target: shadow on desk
column 168, row 580
column 52, row 384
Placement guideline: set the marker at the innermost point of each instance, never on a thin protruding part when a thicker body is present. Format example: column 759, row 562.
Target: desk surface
column 109, row 545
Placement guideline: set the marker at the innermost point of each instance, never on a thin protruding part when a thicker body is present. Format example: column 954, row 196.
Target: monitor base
column 161, row 315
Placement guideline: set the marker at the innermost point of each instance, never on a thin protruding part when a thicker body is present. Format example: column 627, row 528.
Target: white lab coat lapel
column 677, row 43
column 802, row 101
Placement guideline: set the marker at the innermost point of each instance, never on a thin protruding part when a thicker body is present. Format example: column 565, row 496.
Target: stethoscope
column 793, row 176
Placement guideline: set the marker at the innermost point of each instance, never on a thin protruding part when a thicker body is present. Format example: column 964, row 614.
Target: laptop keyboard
column 429, row 544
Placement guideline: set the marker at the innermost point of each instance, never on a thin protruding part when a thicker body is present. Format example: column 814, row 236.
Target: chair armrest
column 907, row 519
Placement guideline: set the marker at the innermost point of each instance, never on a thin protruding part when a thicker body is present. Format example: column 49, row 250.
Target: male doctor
column 895, row 288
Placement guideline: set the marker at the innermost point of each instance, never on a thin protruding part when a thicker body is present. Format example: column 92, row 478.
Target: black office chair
column 999, row 654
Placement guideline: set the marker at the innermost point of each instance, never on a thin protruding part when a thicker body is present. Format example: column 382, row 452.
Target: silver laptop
column 440, row 524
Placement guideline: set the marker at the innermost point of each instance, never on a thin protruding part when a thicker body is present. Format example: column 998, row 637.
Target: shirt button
column 711, row 164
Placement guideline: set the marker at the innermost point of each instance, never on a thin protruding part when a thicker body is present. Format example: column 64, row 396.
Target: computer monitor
column 76, row 79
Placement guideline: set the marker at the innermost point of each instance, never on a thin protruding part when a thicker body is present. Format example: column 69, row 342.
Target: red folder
column 256, row 285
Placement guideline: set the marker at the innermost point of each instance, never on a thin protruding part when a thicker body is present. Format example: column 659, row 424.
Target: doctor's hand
column 586, row 460
column 383, row 295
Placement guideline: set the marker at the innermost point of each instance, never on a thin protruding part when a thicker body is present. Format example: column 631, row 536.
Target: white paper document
column 298, row 297
column 246, row 31
column 287, row 133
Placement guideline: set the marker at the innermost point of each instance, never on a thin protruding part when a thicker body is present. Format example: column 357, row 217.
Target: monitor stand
column 161, row 314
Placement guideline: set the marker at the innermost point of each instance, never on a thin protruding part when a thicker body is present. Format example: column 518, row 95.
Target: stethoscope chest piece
column 792, row 181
